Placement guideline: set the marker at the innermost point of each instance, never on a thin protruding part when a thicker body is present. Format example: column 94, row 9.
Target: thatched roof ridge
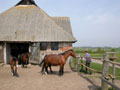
column 26, row 2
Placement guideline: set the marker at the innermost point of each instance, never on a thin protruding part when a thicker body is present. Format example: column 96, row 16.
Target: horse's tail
column 42, row 61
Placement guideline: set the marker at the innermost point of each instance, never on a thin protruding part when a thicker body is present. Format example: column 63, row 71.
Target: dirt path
column 31, row 79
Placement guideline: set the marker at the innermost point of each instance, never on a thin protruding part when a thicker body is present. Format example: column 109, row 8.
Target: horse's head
column 73, row 53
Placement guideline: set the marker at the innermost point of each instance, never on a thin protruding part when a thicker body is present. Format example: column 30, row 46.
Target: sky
column 94, row 23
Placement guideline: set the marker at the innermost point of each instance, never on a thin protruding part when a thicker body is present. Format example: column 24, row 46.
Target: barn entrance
column 14, row 49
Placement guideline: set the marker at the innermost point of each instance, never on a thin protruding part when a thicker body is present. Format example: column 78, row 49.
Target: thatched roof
column 31, row 23
column 64, row 22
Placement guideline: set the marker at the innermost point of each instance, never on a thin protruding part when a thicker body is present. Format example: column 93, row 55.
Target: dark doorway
column 18, row 48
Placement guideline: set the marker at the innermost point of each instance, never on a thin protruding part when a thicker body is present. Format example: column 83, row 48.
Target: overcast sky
column 94, row 22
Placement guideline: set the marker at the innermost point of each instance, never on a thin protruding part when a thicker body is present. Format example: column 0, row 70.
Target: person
column 88, row 61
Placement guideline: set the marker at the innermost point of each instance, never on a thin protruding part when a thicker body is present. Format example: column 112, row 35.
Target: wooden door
column 35, row 51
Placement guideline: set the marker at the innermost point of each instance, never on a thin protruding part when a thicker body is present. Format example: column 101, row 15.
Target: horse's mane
column 65, row 52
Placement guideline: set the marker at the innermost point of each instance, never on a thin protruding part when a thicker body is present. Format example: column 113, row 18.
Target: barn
column 27, row 28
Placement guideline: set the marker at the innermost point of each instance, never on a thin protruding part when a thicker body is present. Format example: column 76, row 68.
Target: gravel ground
column 31, row 79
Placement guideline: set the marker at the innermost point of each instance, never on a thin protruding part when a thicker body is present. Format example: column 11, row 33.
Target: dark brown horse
column 54, row 60
column 14, row 65
column 24, row 59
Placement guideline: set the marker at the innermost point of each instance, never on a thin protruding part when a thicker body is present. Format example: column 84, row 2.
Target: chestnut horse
column 14, row 65
column 24, row 59
column 54, row 60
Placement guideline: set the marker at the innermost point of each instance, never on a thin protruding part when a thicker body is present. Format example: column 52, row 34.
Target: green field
column 98, row 52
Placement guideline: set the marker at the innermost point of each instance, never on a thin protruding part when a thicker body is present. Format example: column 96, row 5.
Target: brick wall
column 65, row 46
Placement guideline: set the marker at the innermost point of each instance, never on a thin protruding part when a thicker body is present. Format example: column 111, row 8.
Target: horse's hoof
column 51, row 72
column 12, row 74
column 16, row 65
column 46, row 73
column 60, row 74
column 17, row 75
column 41, row 72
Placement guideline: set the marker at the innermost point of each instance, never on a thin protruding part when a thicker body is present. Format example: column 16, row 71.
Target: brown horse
column 14, row 65
column 24, row 59
column 54, row 60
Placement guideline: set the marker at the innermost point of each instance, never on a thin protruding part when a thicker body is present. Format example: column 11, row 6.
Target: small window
column 43, row 46
column 54, row 46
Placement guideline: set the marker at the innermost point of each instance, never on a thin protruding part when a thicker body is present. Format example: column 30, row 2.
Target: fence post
column 113, row 69
column 113, row 72
column 114, row 55
column 105, row 71
column 78, row 63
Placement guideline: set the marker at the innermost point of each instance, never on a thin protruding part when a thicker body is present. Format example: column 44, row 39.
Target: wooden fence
column 105, row 74
column 107, row 60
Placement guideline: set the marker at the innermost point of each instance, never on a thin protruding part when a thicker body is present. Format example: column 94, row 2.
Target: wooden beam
column 111, row 84
column 90, row 68
column 113, row 72
column 115, row 63
column 110, row 52
column 78, row 63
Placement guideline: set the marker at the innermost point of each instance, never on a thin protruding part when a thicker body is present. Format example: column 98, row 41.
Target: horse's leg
column 12, row 71
column 46, row 69
column 61, row 73
column 50, row 69
column 43, row 67
column 61, row 70
column 16, row 67
column 23, row 64
column 26, row 62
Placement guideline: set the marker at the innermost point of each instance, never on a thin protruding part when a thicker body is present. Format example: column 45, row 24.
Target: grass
column 118, row 56
column 92, row 54
column 108, row 88
column 99, row 68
